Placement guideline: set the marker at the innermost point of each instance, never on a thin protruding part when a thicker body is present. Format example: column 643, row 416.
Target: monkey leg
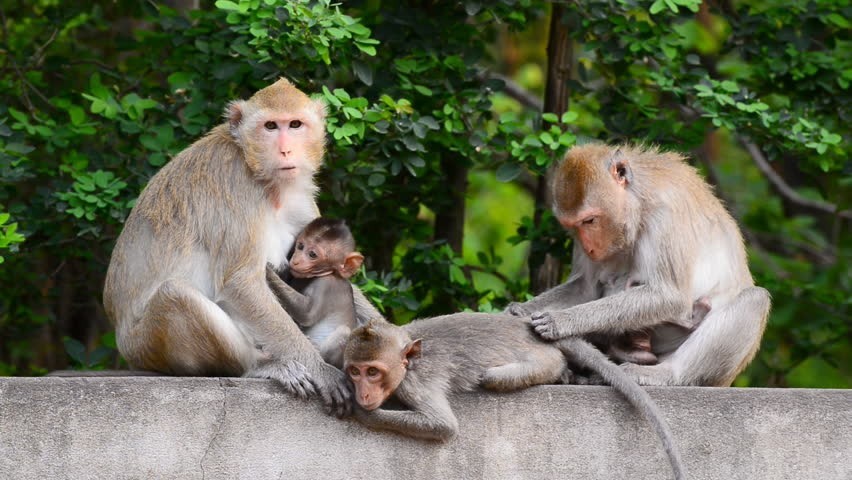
column 718, row 350
column 545, row 365
column 182, row 332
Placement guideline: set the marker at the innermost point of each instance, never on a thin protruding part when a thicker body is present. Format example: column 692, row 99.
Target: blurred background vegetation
column 444, row 119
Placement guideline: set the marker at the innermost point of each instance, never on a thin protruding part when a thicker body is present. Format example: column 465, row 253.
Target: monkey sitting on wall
column 322, row 302
column 423, row 362
column 648, row 218
column 186, row 286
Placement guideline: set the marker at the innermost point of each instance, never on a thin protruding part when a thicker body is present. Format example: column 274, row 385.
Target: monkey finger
column 516, row 309
column 298, row 380
column 544, row 325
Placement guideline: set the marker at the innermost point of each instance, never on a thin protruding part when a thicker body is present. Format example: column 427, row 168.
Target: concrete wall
column 210, row 428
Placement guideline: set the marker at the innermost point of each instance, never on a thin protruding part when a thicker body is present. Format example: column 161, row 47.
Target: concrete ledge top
column 210, row 428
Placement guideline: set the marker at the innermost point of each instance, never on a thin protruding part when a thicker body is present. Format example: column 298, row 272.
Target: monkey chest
column 282, row 227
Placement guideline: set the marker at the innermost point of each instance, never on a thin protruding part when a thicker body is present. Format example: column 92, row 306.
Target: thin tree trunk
column 546, row 271
column 449, row 220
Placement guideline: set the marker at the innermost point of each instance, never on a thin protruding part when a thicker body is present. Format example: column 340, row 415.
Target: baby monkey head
column 325, row 247
column 376, row 358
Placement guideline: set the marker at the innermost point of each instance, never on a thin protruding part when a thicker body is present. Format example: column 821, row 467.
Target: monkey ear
column 234, row 113
column 320, row 107
column 619, row 168
column 351, row 264
column 413, row 349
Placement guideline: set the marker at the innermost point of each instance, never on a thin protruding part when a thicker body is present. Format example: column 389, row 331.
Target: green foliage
column 9, row 235
column 421, row 135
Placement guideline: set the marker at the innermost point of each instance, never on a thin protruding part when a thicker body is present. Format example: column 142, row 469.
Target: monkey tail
column 586, row 355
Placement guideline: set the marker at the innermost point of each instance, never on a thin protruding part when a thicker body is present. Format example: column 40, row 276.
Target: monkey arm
column 298, row 305
column 289, row 357
column 579, row 288
column 431, row 419
column 632, row 309
column 573, row 292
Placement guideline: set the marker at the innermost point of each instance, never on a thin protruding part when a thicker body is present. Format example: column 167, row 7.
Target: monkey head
column 591, row 199
column 281, row 131
column 376, row 358
column 325, row 247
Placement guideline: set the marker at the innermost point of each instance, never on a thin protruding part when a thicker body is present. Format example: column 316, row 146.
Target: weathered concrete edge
column 240, row 428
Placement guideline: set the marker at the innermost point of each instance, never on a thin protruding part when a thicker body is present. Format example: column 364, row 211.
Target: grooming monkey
column 421, row 363
column 322, row 302
column 648, row 217
column 186, row 285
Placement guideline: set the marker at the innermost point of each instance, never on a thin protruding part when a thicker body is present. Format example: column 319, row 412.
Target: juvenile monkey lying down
column 421, row 363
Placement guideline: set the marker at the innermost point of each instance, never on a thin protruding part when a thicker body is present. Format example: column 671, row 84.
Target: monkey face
column 290, row 145
column 599, row 234
column 310, row 259
column 381, row 365
column 281, row 131
column 374, row 381
column 590, row 200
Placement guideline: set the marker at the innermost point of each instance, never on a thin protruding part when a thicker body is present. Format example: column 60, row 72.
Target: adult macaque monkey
column 651, row 240
column 322, row 302
column 423, row 362
column 186, row 286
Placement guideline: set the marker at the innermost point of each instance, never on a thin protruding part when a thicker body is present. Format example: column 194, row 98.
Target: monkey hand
column 517, row 309
column 292, row 375
column 545, row 326
column 335, row 390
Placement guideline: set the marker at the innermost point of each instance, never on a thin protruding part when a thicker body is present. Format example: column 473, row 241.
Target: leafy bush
column 422, row 132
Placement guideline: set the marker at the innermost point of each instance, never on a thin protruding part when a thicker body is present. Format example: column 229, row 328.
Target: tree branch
column 515, row 91
column 785, row 190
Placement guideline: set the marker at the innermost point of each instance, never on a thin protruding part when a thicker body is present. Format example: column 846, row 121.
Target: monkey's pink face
column 310, row 261
column 595, row 232
column 294, row 144
column 374, row 382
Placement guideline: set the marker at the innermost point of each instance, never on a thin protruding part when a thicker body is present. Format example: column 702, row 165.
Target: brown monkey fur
column 322, row 302
column 421, row 363
column 186, row 285
column 646, row 218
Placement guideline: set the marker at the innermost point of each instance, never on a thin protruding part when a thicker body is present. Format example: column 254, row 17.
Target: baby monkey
column 635, row 347
column 321, row 300
column 422, row 363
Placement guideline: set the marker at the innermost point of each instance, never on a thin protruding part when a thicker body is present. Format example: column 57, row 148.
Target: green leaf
column 423, row 90
column 75, row 350
column 838, row 20
column 363, row 72
column 657, row 7
column 457, row 275
column 77, row 114
column 570, row 117
column 375, row 180
column 508, row 172
column 227, row 5
column 368, row 49
column 550, row 117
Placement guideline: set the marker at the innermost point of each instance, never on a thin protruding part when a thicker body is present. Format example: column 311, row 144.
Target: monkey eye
column 312, row 254
column 372, row 372
column 270, row 125
column 300, row 246
column 353, row 371
column 295, row 123
column 589, row 221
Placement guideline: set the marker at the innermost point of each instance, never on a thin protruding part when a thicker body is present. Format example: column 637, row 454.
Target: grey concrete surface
column 212, row 428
